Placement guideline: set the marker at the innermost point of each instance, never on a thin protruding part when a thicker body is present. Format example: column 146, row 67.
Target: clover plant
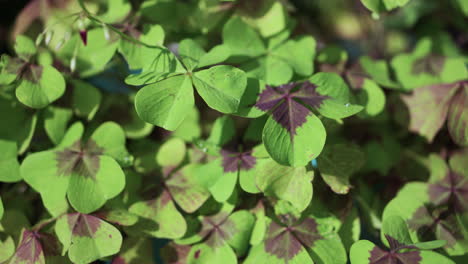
column 234, row 131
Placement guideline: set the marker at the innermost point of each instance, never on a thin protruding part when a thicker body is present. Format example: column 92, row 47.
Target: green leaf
column 40, row 86
column 223, row 254
column 138, row 56
column 222, row 132
column 86, row 99
column 116, row 11
column 154, row 217
column 286, row 183
column 372, row 97
column 111, row 138
column 429, row 245
column 298, row 150
column 360, row 252
column 25, row 47
column 379, row 71
column 339, row 104
column 221, row 87
column 55, row 122
column 9, row 165
column 9, row 68
column 190, row 53
column 189, row 129
column 216, row 55
column 234, row 28
column 7, row 248
column 21, row 124
column 338, row 163
column 299, row 54
column 92, row 57
column 171, row 153
column 87, row 238
column 1, row 211
column 165, row 103
column 396, row 227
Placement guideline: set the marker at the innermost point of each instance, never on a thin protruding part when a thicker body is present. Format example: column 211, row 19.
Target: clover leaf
column 37, row 247
column 37, row 85
column 225, row 236
column 179, row 186
column 338, row 163
column 274, row 63
column 309, row 239
column 229, row 164
column 167, row 101
column 422, row 67
column 87, row 238
column 435, row 210
column 430, row 106
column 87, row 172
column 294, row 135
column 402, row 250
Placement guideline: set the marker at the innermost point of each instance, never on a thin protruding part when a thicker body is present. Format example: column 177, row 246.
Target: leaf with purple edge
column 422, row 67
column 79, row 170
column 173, row 253
column 87, row 238
column 312, row 239
column 36, row 247
column 224, row 237
column 292, row 135
column 154, row 214
column 458, row 116
column 428, row 107
column 395, row 236
column 185, row 190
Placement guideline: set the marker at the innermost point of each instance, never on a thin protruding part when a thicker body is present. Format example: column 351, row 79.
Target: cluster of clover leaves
column 92, row 175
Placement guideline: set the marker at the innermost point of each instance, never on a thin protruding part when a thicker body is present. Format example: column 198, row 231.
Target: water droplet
column 347, row 104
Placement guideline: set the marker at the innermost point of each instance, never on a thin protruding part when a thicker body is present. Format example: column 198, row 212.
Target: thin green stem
column 123, row 35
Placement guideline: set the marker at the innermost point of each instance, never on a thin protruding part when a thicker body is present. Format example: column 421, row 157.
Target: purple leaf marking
column 289, row 106
column 432, row 64
column 452, row 190
column 79, row 159
column 217, row 229
column 285, row 242
column 234, row 161
column 83, row 225
column 30, row 249
column 433, row 224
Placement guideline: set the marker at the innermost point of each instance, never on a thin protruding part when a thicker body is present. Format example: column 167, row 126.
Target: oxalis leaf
column 86, row 172
column 293, row 135
column 9, row 165
column 311, row 239
column 435, row 210
column 37, row 248
column 230, row 162
column 276, row 63
column 87, row 238
column 430, row 106
column 337, row 164
column 395, row 235
column 225, row 237
column 167, row 102
column 179, row 187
